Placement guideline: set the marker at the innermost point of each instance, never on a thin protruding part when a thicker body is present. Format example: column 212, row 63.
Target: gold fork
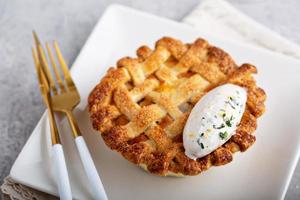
column 63, row 182
column 64, row 99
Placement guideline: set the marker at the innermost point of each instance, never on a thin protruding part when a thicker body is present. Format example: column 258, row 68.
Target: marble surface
column 71, row 23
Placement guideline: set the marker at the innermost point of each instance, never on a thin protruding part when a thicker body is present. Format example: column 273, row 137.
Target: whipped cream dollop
column 214, row 120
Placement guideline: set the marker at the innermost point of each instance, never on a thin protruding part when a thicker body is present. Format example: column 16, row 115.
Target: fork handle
column 90, row 169
column 63, row 182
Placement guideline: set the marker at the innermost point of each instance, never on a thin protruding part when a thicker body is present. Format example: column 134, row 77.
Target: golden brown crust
column 141, row 106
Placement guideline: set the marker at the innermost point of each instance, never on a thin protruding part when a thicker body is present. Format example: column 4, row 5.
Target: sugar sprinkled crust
column 141, row 106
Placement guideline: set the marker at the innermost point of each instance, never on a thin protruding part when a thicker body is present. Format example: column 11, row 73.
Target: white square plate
column 263, row 172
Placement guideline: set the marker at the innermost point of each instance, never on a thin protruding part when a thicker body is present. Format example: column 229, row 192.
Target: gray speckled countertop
column 71, row 22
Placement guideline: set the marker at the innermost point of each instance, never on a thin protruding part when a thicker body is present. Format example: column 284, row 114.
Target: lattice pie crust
column 141, row 106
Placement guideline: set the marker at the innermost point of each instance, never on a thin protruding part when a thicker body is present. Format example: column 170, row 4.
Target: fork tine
column 36, row 56
column 37, row 65
column 46, row 70
column 64, row 67
column 54, row 66
column 36, row 39
column 43, row 64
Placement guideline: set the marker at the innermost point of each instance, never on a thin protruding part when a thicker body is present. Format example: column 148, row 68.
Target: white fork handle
column 90, row 169
column 63, row 182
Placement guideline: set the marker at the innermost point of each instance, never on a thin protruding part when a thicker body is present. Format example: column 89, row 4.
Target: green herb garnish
column 229, row 122
column 200, row 144
column 223, row 135
column 221, row 126
column 228, row 102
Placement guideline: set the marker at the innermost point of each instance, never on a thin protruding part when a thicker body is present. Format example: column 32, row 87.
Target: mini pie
column 141, row 106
